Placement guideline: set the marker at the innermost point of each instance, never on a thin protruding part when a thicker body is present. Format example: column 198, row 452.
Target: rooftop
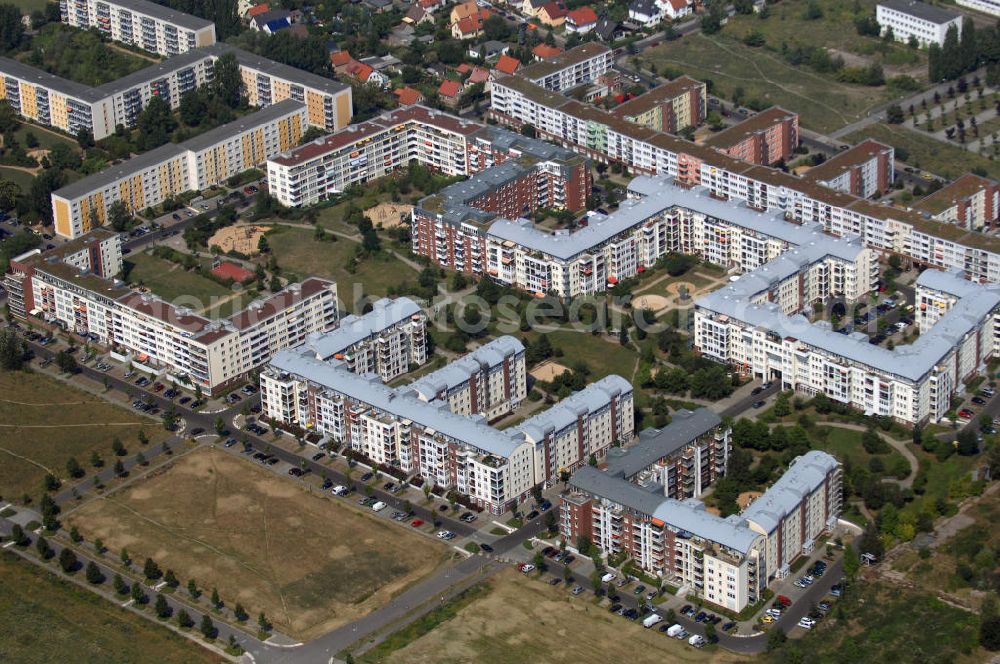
column 573, row 56
column 657, row 96
column 567, row 412
column 921, row 10
column 841, row 162
column 949, row 195
column 804, row 477
column 459, row 371
column 752, row 125
column 165, row 14
column 385, row 313
column 655, row 444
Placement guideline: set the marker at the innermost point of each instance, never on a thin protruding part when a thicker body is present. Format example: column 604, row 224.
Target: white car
column 527, row 567
column 379, row 506
column 806, row 623
column 339, row 490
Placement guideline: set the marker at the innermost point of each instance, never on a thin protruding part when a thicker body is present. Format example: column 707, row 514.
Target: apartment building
column 752, row 324
column 727, row 561
column 490, row 381
column 98, row 254
column 582, row 427
column 572, row 68
column 196, row 164
column 605, row 138
column 671, row 107
column 388, row 341
column 929, row 24
column 73, row 289
column 424, row 437
column 371, row 149
column 767, row 138
column 146, row 25
column 971, row 202
column 985, row 6
column 684, row 458
column 450, row 227
column 865, row 170
column 71, row 107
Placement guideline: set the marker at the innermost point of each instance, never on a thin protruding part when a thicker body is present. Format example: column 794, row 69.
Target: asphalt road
column 748, row 401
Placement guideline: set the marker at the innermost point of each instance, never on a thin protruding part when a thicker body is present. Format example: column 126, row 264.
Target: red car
column 965, row 412
column 784, row 601
column 416, row 523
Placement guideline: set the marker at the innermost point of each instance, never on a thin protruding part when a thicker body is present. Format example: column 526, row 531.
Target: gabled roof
column 644, row 7
column 449, row 89
column 606, row 28
column 478, row 75
column 408, row 96
column 554, row 10
column 545, row 51
column 465, row 10
column 678, row 5
column 508, row 64
column 340, row 58
column 258, row 9
column 582, row 16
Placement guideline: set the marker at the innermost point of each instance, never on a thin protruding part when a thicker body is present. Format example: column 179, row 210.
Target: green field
column 47, row 620
column 927, row 153
column 603, row 357
column 28, row 6
column 823, row 103
column 298, row 251
column 46, row 138
column 21, row 178
column 44, row 422
column 79, row 55
column 173, row 283
column 845, row 444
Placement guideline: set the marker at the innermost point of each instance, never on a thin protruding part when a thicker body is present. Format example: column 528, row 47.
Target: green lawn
column 79, row 55
column 47, row 619
column 603, row 357
column 28, row 6
column 927, row 153
column 949, row 479
column 845, row 444
column 21, row 178
column 46, row 138
column 823, row 103
column 298, row 252
column 173, row 283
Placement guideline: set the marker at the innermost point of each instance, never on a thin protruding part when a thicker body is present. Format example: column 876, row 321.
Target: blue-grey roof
column 655, row 444
column 157, row 11
column 384, row 314
column 805, row 475
column 565, row 414
column 402, row 403
column 658, row 196
column 910, row 362
column 456, row 373
column 921, row 10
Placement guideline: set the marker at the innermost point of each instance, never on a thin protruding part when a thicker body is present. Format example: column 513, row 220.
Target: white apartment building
column 929, row 24
column 73, row 290
column 396, row 427
column 985, row 6
column 579, row 65
column 146, row 25
column 490, row 381
column 747, row 325
column 586, row 423
column 388, row 341
column 196, row 164
column 726, row 561
column 603, row 137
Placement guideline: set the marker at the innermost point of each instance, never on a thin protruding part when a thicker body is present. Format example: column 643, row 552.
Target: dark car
column 230, row 442
column 759, row 404
column 979, row 401
column 389, row 486
column 295, row 472
column 614, row 608
column 549, row 551
column 327, row 483
column 366, row 477
column 546, row 505
column 555, row 582
column 197, row 431
column 533, row 514
column 486, row 547
column 728, row 626
column 568, row 559
column 701, row 616
column 639, row 590
column 318, row 456
column 184, row 400
column 685, row 609
column 756, row 391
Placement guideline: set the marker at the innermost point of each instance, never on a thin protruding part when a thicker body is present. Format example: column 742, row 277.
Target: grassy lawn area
column 298, row 252
column 79, row 55
column 927, row 153
column 47, row 619
column 46, row 138
column 310, row 563
column 949, row 480
column 823, row 103
column 173, row 283
column 889, row 623
column 28, row 6
column 603, row 357
column 517, row 619
column 845, row 444
column 44, row 422
column 22, row 178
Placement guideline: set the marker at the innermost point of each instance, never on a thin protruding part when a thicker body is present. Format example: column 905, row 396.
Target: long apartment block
column 74, row 288
column 388, row 341
column 605, row 138
column 146, row 25
column 70, row 106
column 970, row 202
column 863, row 170
column 767, row 138
column 196, row 164
column 373, row 149
column 728, row 561
column 577, row 66
column 671, row 107
column 755, row 324
column 396, row 426
column 490, row 381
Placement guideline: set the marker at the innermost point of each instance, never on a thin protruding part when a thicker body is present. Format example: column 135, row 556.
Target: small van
column 379, row 506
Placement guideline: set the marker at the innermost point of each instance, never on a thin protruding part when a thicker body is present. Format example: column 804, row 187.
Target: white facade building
column 929, row 24
column 985, row 6
column 577, row 66
column 146, row 25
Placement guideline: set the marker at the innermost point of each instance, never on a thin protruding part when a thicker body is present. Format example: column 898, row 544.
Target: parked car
column 486, row 547
column 197, row 431
column 416, row 523
column 526, row 567
column 577, row 590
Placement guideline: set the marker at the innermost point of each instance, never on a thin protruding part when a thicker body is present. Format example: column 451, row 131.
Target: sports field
column 311, row 564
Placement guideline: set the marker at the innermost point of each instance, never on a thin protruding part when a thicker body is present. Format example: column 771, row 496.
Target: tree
column 119, row 468
column 117, row 447
column 73, row 468
column 207, row 627
column 50, row 482
column 67, row 560
column 184, row 619
column 9, row 191
column 193, row 108
column 151, row 570
column 216, row 600
column 852, row 564
column 170, row 418
column 170, row 579
column 220, row 425
column 11, row 27
column 710, row 635
column 66, row 362
column 93, row 573
column 240, row 613
column 263, row 623
column 75, row 535
column 138, row 594
column 155, row 124
column 968, row 445
column 17, row 535
column 43, row 548
column 125, row 558
column 119, row 584
column 989, row 632
column 894, row 114
column 775, row 639
column 119, row 217
column 11, row 350
column 228, row 82
column 161, row 607
column 193, row 589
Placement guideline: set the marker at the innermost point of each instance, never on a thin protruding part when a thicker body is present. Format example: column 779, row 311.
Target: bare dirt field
column 525, row 620
column 309, row 563
column 747, row 497
column 388, row 215
column 546, row 371
column 244, row 239
column 652, row 302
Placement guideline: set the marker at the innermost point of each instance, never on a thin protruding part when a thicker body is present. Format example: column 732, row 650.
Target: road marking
column 509, row 529
column 159, row 585
column 9, row 544
column 128, row 603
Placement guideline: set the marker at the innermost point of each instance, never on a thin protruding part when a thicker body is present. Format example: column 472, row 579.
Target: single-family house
column 408, row 96
column 507, row 64
column 674, row 9
column 552, row 14
column 608, row 30
column 581, row 21
column 450, row 93
column 645, row 12
column 489, row 50
column 543, row 51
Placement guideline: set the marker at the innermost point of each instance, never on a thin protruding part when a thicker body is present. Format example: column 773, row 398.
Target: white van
column 379, row 506
column 675, row 631
column 696, row 641
column 339, row 490
column 652, row 619
column 608, row 578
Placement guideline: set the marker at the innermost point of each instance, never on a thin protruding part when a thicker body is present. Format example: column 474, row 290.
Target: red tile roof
column 408, row 96
column 545, row 51
column 554, row 10
column 227, row 270
column 585, row 15
column 258, row 9
column 340, row 58
column 464, row 68
column 678, row 5
column 508, row 64
column 479, row 75
column 449, row 89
